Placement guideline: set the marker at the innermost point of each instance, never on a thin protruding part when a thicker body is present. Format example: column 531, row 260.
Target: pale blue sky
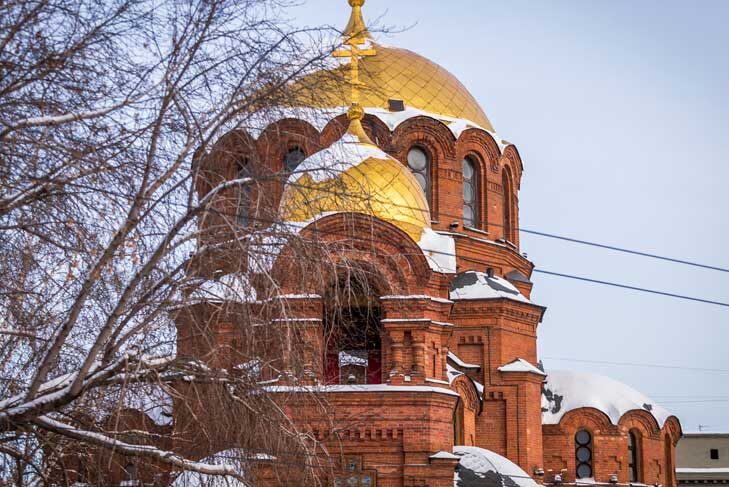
column 620, row 110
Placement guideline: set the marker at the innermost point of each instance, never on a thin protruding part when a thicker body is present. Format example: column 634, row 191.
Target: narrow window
column 714, row 454
column 294, row 157
column 506, row 184
column 419, row 164
column 634, row 457
column 470, row 193
column 244, row 194
column 583, row 454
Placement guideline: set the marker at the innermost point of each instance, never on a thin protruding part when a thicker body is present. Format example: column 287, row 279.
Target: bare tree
column 104, row 108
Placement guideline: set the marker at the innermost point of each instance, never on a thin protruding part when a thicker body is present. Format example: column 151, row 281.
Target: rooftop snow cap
column 479, row 467
column 565, row 391
column 478, row 285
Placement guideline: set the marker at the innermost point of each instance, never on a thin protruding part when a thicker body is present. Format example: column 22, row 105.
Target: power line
column 636, row 364
column 627, row 251
column 633, row 288
column 569, row 276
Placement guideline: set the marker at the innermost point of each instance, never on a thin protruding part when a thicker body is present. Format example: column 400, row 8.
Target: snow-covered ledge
column 521, row 365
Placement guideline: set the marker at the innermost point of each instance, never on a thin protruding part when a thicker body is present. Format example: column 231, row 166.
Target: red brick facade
column 394, row 430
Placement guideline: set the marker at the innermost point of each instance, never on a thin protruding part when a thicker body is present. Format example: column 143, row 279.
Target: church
column 415, row 323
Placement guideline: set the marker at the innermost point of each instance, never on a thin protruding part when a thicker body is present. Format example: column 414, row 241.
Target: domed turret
column 354, row 175
column 393, row 74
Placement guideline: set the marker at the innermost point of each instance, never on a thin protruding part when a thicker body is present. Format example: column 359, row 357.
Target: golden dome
column 353, row 175
column 392, row 74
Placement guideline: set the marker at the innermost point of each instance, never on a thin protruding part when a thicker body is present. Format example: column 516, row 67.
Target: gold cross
column 354, row 53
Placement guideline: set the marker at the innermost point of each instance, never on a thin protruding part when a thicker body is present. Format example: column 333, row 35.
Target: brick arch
column 463, row 385
column 478, row 140
column 354, row 239
column 511, row 154
column 438, row 141
column 587, row 418
column 672, row 429
column 641, row 420
column 334, row 130
column 281, row 136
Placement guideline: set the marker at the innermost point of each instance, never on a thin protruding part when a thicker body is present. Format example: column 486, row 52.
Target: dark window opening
column 506, row 188
column 352, row 328
column 634, row 457
column 419, row 164
column 458, row 435
column 714, row 454
column 294, row 157
column 470, row 193
column 583, row 454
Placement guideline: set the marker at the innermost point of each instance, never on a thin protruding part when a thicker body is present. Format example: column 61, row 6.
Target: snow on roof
column 480, row 467
column 319, row 117
column 233, row 457
column 452, row 356
column 153, row 401
column 565, row 391
column 256, row 123
column 702, row 470
column 353, row 358
column 361, row 388
column 521, row 365
column 478, row 285
column 456, row 125
column 331, row 162
column 445, row 455
column 452, row 373
column 439, row 250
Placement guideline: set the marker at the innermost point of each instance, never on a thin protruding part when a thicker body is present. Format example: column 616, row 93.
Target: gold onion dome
column 393, row 74
column 354, row 175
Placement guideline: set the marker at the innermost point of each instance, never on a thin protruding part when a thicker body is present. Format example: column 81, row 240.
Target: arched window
column 470, row 193
column 458, row 436
column 293, row 158
column 583, row 454
column 634, row 456
column 507, row 204
column 243, row 208
column 352, row 333
column 419, row 164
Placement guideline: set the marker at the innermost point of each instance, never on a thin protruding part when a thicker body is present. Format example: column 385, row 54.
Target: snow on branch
column 124, row 448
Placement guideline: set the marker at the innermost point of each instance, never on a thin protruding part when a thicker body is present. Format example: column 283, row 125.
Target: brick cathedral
column 396, row 173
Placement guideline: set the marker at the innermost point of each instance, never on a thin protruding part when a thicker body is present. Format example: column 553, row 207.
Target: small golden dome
column 396, row 74
column 355, row 176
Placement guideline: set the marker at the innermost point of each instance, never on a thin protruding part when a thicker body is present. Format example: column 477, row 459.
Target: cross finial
column 355, row 39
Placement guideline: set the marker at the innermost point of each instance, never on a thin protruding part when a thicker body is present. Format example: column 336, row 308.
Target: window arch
column 353, row 332
column 419, row 163
column 507, row 205
column 243, row 207
column 583, row 454
column 293, row 158
column 471, row 200
column 634, row 456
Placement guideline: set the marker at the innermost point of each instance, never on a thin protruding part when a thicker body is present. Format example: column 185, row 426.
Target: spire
column 356, row 29
column 356, row 35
